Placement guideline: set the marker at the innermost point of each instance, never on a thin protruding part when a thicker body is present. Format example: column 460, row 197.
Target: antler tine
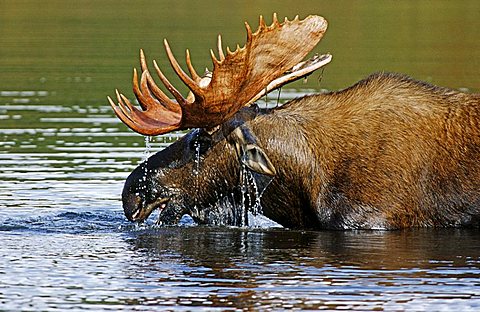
column 123, row 113
column 165, row 101
column 117, row 111
column 123, row 117
column 261, row 23
column 159, row 94
column 220, row 50
column 122, row 102
column 134, row 114
column 144, row 96
column 143, row 61
column 215, row 61
column 139, row 121
column 142, row 100
column 249, row 32
column 275, row 20
column 180, row 99
column 137, row 118
column 192, row 71
column 183, row 76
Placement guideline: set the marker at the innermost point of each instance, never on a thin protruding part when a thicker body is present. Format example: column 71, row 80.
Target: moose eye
column 201, row 143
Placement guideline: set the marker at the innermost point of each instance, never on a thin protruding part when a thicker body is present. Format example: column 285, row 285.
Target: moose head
column 201, row 172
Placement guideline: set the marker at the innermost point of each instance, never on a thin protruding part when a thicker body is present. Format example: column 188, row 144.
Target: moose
column 388, row 152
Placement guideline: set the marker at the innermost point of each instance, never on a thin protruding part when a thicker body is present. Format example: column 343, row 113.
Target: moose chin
column 386, row 153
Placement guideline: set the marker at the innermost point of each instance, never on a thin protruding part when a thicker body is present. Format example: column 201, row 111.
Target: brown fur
column 388, row 152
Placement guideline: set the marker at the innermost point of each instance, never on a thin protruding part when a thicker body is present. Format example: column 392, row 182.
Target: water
column 65, row 244
column 99, row 267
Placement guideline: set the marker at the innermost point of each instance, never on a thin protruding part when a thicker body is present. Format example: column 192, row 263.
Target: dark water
column 64, row 243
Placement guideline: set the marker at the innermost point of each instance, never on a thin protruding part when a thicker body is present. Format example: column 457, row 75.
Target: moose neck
column 211, row 188
column 283, row 135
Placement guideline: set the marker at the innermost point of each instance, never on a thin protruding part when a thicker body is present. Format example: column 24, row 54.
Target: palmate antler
column 238, row 78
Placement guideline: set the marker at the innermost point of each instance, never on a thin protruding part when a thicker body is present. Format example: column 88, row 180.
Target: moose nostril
column 131, row 205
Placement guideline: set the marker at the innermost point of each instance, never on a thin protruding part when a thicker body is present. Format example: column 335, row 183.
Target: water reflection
column 312, row 270
column 390, row 250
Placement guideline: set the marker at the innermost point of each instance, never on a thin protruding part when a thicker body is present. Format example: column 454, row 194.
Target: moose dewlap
column 388, row 152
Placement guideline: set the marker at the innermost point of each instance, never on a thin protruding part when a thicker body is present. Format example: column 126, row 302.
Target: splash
column 148, row 148
column 196, row 171
column 245, row 196
column 251, row 208
column 196, row 167
column 240, row 208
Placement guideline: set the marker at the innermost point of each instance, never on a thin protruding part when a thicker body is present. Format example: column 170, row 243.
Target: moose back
column 389, row 152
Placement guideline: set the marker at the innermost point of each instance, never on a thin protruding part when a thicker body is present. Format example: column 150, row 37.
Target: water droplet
column 196, row 169
column 148, row 148
column 196, row 172
column 251, row 211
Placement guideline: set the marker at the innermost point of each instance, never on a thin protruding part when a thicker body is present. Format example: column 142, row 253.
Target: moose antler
column 238, row 78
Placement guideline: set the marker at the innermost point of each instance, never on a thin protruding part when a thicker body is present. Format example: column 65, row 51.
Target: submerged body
column 388, row 152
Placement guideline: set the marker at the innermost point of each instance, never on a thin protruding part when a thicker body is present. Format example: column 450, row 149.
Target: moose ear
column 255, row 159
column 249, row 153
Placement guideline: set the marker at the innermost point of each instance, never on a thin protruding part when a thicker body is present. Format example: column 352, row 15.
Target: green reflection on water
column 78, row 52
column 88, row 47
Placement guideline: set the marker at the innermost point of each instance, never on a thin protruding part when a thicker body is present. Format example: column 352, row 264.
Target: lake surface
column 65, row 244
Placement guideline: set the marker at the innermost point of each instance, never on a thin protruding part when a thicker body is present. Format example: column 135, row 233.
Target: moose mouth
column 144, row 212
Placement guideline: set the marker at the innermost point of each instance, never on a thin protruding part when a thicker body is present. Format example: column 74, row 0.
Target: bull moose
column 388, row 152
